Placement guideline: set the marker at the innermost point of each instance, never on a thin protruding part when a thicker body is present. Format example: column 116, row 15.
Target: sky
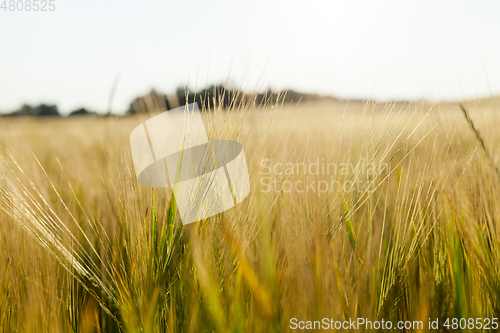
column 380, row 50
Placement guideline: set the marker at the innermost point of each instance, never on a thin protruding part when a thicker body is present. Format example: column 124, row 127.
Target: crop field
column 356, row 210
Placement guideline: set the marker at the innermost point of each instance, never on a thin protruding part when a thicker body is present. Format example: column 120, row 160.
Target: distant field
column 84, row 247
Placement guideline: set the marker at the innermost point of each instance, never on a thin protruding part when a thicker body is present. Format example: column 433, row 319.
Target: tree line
column 207, row 99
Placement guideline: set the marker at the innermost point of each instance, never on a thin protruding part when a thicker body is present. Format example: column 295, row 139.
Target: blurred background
column 98, row 56
column 85, row 248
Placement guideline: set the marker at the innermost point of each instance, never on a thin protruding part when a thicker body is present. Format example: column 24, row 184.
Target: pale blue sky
column 434, row 50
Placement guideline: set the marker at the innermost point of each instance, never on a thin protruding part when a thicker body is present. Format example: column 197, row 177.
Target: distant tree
column 25, row 110
column 47, row 110
column 82, row 112
column 210, row 97
column 150, row 103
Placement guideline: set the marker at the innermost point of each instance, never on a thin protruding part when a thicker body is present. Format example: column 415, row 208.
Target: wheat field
column 85, row 248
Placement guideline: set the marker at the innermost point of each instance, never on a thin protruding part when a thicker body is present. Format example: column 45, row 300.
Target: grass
column 85, row 248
